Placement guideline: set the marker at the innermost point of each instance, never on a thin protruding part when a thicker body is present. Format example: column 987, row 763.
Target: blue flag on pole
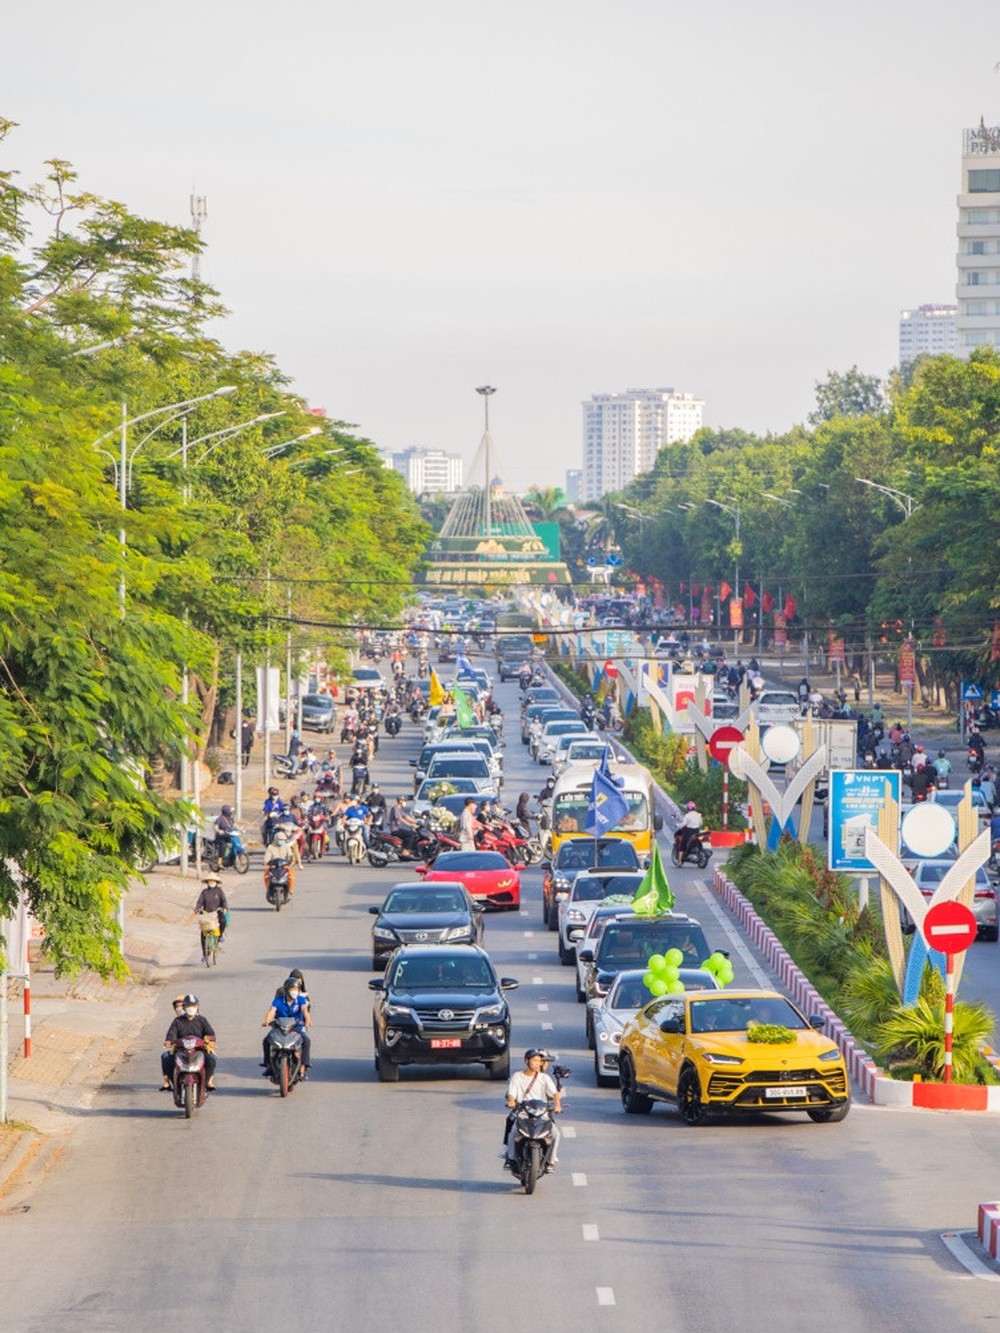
column 465, row 667
column 607, row 808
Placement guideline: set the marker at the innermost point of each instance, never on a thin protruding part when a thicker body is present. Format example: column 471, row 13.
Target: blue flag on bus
column 607, row 808
column 465, row 667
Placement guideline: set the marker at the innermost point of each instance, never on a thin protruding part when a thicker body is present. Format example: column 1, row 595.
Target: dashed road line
column 590, row 1232
column 547, row 1027
column 532, row 957
column 605, row 1295
column 543, row 1008
column 529, row 934
column 568, row 1132
column 538, row 981
column 578, row 1177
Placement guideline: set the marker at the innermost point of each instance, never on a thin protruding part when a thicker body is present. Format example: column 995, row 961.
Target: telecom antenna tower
column 199, row 212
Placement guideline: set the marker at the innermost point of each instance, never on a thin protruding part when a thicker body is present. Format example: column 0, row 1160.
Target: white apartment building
column 978, row 292
column 573, row 489
column 930, row 330
column 428, row 471
column 623, row 432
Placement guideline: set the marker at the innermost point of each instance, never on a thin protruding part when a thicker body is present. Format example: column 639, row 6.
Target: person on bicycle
column 212, row 899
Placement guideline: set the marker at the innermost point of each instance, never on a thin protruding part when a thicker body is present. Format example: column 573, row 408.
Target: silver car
column 608, row 1015
column 590, row 890
column 928, row 875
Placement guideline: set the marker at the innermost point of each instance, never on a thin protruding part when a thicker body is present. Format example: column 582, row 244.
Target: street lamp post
column 487, row 390
column 909, row 505
column 734, row 509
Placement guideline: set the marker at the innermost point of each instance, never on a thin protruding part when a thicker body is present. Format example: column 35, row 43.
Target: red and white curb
column 863, row 1070
column 989, row 1228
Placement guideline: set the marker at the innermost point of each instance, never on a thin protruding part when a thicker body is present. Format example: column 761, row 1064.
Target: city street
column 359, row 1205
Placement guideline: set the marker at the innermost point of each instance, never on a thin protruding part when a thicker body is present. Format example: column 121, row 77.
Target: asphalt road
column 359, row 1205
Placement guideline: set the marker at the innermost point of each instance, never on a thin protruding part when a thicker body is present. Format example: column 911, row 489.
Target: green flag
column 463, row 709
column 654, row 894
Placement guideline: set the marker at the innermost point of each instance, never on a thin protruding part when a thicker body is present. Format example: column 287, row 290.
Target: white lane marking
column 568, row 1132
column 524, row 911
column 529, row 934
column 605, row 1295
column 590, row 1232
column 957, row 1244
column 578, row 1178
column 538, row 981
column 760, row 976
column 547, row 1027
column 532, row 957
column 543, row 1008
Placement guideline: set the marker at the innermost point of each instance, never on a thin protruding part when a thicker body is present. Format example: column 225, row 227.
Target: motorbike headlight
column 713, row 1059
column 398, row 1011
column 833, row 1054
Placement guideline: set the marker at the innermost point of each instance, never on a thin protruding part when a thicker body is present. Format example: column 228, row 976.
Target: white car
column 607, row 1015
column 552, row 734
column 574, row 749
column 589, row 891
column 777, row 706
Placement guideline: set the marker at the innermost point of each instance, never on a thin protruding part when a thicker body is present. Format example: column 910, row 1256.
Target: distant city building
column 428, row 471
column 573, row 490
column 978, row 292
column 623, row 432
column 930, row 330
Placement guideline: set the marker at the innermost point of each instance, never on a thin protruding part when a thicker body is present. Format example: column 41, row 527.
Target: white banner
column 16, row 931
column 268, row 693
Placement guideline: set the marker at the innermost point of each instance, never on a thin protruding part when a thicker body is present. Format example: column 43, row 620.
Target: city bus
column 571, row 800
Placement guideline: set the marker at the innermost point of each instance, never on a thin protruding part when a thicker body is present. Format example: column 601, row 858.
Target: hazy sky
column 559, row 197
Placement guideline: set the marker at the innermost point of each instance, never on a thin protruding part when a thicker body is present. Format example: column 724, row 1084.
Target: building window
column 976, row 217
column 985, row 181
column 976, row 308
column 976, row 248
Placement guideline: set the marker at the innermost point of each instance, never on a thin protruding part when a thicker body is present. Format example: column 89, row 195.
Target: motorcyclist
column 530, row 1083
column 943, row 766
column 357, row 809
column 213, row 899
column 402, row 825
column 688, row 829
column 375, row 800
column 190, row 1023
column 165, row 1055
column 274, row 808
column 291, row 1003
column 280, row 851
column 223, row 828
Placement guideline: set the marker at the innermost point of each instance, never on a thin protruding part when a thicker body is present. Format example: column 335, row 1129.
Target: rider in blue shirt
column 358, row 810
column 291, row 1003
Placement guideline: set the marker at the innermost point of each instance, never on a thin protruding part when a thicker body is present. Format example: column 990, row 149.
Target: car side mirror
column 587, row 956
column 508, row 983
column 671, row 1025
column 374, row 911
column 376, row 983
column 817, row 1022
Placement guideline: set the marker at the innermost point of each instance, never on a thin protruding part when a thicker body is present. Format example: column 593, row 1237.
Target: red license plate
column 442, row 1043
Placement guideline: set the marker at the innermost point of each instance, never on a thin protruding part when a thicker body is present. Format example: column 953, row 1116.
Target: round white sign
column 928, row 829
column 736, row 756
column 780, row 743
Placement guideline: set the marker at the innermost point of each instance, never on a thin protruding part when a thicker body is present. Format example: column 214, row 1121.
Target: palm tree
column 545, row 503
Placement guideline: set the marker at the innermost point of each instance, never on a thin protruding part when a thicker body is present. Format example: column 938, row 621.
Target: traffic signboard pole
column 725, row 798
column 949, row 1011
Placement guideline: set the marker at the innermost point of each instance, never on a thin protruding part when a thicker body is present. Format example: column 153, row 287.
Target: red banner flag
column 749, row 597
column 995, row 643
column 938, row 639
column 707, row 590
column 767, row 602
column 695, row 590
column 780, row 636
column 724, row 590
column 736, row 614
column 706, row 608
column 790, row 606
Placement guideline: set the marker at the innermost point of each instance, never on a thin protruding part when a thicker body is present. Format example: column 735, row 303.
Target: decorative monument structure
column 487, row 541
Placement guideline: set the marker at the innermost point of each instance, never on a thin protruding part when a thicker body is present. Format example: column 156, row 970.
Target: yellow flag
column 435, row 695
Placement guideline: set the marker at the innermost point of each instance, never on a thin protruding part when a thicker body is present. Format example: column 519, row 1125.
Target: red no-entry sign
column 610, row 669
column 949, row 927
column 722, row 741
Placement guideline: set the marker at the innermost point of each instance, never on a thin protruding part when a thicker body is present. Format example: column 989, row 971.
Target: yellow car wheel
column 689, row 1103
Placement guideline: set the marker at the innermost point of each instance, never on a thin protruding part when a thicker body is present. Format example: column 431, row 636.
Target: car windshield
column 721, row 1014
column 613, row 854
column 473, row 767
column 592, row 888
column 779, row 699
column 470, row 972
column 630, row 993
column 578, row 750
column 471, row 861
column 408, row 901
column 627, row 944
column 933, row 872
column 438, row 787
column 569, row 813
column 317, row 701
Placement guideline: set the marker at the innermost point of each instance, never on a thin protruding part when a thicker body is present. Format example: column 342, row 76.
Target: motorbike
column 278, row 884
column 190, row 1077
column 699, row 850
column 503, row 839
column 534, row 1137
column 284, row 1054
column 588, row 717
column 292, row 766
column 317, row 838
column 496, row 723
column 392, row 724
column 354, row 843
column 233, row 855
column 975, row 760
column 359, row 779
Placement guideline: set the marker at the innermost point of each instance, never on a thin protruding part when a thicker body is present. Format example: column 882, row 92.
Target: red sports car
column 488, row 876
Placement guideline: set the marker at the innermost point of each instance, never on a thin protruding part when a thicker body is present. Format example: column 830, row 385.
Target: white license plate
column 777, row 1094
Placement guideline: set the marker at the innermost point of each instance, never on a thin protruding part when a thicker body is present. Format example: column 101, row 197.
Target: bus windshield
column 569, row 812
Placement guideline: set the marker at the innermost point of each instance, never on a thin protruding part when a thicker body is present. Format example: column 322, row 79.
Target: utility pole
column 288, row 670
column 199, row 212
column 487, row 390
column 238, row 772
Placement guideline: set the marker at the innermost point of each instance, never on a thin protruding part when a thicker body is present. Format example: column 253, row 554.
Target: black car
column 578, row 854
column 438, row 913
column 441, row 1004
column 632, row 941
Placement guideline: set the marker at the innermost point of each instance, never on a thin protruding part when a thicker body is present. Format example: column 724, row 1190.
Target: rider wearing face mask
column 291, row 1003
column 190, row 1023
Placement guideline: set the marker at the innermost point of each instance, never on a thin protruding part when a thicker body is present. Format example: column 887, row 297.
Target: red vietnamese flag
column 767, row 602
column 749, row 597
column 724, row 590
column 790, row 606
column 695, row 590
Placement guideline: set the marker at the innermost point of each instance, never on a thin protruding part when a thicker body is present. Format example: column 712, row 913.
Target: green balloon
column 727, row 973
column 671, row 973
column 675, row 987
column 648, row 980
column 674, row 957
column 659, row 986
column 656, row 964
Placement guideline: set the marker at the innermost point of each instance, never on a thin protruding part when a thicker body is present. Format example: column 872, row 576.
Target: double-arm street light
column 906, row 502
